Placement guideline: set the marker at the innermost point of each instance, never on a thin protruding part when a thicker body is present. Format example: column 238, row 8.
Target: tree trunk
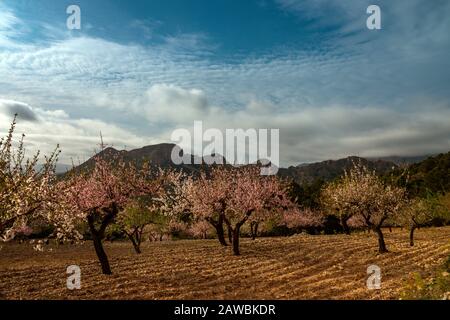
column 219, row 229
column 97, row 237
column 411, row 236
column 254, row 230
column 137, row 249
column 236, row 231
column 101, row 254
column 139, row 239
column 136, row 244
column 345, row 225
column 236, row 241
column 381, row 244
column 220, row 234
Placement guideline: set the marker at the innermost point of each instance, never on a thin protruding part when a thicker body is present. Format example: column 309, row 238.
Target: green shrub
column 436, row 287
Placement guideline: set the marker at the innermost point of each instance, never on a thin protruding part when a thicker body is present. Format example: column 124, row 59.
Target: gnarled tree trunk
column 218, row 225
column 135, row 239
column 236, row 231
column 99, row 235
column 236, row 241
column 98, row 246
column 381, row 244
column 101, row 254
column 411, row 236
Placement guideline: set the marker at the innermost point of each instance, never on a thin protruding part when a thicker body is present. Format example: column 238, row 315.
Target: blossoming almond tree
column 25, row 192
column 378, row 203
column 420, row 212
column 206, row 196
column 252, row 194
column 361, row 195
column 338, row 198
column 100, row 195
column 232, row 196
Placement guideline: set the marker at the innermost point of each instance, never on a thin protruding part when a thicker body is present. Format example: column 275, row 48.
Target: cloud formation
column 19, row 109
column 170, row 103
column 370, row 94
column 77, row 137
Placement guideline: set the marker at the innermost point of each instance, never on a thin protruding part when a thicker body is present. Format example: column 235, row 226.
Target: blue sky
column 233, row 27
column 137, row 70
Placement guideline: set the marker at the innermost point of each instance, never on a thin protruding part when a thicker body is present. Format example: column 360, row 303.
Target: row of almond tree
column 223, row 196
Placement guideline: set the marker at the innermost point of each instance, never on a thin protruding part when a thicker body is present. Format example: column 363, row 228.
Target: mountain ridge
column 160, row 155
column 303, row 173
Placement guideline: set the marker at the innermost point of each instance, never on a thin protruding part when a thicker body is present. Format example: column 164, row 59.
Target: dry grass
column 298, row 267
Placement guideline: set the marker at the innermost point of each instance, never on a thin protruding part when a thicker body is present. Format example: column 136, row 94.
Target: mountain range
column 160, row 155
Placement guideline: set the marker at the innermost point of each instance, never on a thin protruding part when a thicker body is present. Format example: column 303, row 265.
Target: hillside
column 160, row 155
column 402, row 160
column 331, row 169
column 156, row 155
column 429, row 175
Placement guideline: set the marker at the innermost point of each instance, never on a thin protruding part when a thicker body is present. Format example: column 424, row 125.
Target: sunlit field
column 296, row 267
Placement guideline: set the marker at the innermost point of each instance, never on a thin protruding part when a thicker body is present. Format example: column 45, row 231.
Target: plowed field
column 297, row 267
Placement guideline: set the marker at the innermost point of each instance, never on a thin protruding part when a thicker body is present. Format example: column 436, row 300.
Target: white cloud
column 319, row 133
column 174, row 104
column 363, row 94
column 78, row 138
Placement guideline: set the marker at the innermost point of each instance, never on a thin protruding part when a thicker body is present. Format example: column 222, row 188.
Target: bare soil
column 297, row 267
